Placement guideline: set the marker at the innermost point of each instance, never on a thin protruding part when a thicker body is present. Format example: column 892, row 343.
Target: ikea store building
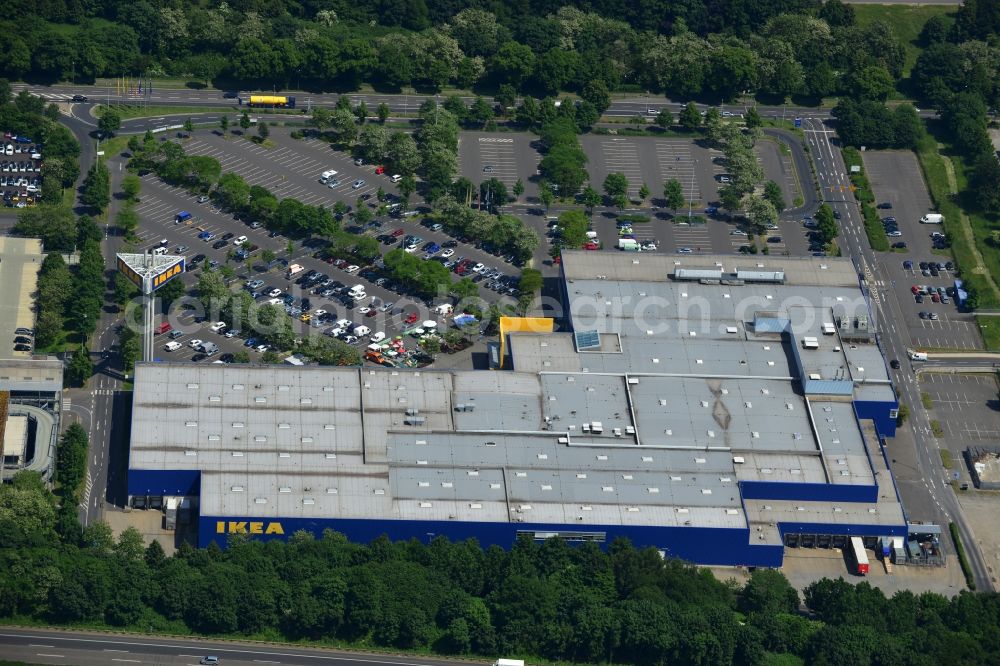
column 717, row 408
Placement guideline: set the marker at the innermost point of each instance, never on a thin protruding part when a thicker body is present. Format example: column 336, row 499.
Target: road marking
column 56, row 656
column 134, row 661
column 35, row 645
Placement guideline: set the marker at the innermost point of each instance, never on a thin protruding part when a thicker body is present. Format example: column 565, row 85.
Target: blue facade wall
column 849, row 530
column 163, row 482
column 703, row 545
column 879, row 413
column 808, row 492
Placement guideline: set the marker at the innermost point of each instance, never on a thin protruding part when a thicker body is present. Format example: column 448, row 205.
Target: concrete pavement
column 893, row 338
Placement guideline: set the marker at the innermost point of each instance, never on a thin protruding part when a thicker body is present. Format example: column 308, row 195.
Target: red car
column 398, row 232
column 411, row 318
column 379, row 170
column 591, row 246
column 340, row 263
column 915, row 289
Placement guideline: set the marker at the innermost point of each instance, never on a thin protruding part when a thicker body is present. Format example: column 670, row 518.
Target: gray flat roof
column 687, row 390
column 33, row 374
column 612, row 266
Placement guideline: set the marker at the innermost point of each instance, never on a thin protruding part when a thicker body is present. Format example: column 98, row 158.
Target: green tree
column 80, row 368
column 673, row 194
column 664, row 119
column 871, row 83
column 55, row 225
column 573, row 226
column 760, row 212
column 752, row 118
column 690, row 117
column 125, row 290
column 361, row 112
column 383, row 112
column 131, row 186
column 591, row 199
column 518, row 189
column 615, row 185
column 345, row 123
column 826, row 223
column 189, row 125
column 71, row 460
column 245, row 121
column 644, row 192
column 596, row 92
column 109, row 123
column 545, row 195
column 321, row 118
column 772, row 192
column 96, row 190
column 985, row 182
column 127, row 221
column 262, row 130
column 224, row 125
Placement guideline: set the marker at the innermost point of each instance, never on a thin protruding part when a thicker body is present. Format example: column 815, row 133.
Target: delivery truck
column 628, row 245
column 860, row 556
column 294, row 270
column 932, row 218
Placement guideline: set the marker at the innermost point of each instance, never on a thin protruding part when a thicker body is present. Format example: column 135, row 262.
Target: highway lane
column 399, row 104
column 893, row 337
column 41, row 646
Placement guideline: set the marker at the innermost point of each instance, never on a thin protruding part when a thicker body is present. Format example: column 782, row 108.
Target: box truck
column 932, row 218
column 294, row 270
column 628, row 244
column 860, row 556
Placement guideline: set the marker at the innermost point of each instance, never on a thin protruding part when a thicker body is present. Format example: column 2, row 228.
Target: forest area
column 539, row 600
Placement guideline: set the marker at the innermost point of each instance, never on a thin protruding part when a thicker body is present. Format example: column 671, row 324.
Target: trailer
column 277, row 101
column 860, row 556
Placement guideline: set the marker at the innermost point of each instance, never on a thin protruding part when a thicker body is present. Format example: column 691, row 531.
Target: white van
column 361, row 330
column 173, row 345
column 356, row 289
column 395, row 178
column 159, row 250
column 932, row 218
column 327, row 175
column 378, row 337
column 918, row 356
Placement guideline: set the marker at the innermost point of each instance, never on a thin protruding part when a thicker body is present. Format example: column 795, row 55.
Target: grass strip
column 963, row 559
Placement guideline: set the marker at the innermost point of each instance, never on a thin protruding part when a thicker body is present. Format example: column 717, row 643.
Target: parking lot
column 966, row 407
column 505, row 156
column 292, row 168
column 898, row 183
column 158, row 209
column 20, row 171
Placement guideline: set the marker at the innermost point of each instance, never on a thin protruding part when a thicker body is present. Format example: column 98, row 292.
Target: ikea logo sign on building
column 248, row 527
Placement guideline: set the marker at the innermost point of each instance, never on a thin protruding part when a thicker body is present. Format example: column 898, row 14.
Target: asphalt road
column 893, row 336
column 40, row 646
column 630, row 107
